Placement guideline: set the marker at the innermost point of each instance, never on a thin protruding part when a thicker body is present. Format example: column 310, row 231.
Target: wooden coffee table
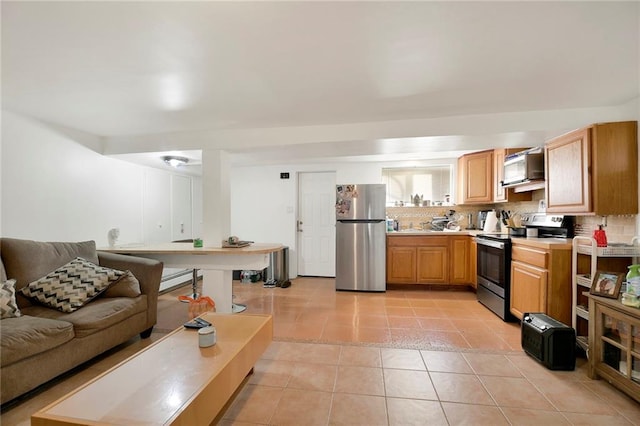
column 173, row 381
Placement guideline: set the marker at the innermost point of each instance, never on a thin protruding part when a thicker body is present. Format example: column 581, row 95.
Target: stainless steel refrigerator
column 361, row 237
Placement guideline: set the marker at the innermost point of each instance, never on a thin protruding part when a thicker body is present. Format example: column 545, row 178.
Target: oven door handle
column 490, row 243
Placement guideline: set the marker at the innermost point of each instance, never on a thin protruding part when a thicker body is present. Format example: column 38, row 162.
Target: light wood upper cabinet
column 593, row 170
column 500, row 194
column 475, row 178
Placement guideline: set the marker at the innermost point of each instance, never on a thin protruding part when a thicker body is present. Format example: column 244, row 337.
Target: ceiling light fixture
column 174, row 161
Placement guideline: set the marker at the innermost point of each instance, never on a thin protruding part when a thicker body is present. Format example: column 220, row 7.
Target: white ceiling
column 319, row 81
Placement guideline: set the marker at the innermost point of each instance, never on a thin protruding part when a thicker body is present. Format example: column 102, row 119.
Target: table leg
column 218, row 285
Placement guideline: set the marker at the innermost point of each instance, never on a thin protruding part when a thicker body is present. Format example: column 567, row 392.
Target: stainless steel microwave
column 523, row 167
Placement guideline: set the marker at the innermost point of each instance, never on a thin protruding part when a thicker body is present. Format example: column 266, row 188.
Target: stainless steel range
column 494, row 273
column 494, row 259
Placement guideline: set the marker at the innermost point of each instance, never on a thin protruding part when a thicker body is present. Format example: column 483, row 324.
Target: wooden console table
column 172, row 381
column 614, row 344
column 184, row 255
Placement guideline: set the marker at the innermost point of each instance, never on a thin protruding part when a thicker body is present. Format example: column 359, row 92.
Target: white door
column 317, row 224
column 157, row 207
column 181, row 218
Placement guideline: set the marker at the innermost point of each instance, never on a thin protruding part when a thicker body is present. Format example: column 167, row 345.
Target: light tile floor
column 394, row 358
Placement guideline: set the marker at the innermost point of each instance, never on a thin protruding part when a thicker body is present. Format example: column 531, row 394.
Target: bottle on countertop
column 389, row 224
column 600, row 236
column 633, row 280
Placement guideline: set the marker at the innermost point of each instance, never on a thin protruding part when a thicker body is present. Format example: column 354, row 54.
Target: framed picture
column 607, row 284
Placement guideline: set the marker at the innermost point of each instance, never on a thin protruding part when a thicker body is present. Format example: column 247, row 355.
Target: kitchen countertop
column 471, row 232
column 544, row 243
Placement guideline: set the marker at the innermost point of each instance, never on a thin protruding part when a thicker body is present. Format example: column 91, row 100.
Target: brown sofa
column 44, row 342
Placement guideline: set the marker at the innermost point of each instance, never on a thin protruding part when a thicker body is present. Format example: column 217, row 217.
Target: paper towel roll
column 491, row 223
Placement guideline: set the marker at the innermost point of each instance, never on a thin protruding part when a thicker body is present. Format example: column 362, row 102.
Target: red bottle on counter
column 600, row 236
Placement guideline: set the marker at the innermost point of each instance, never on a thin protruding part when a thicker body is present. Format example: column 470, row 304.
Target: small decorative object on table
column 607, row 284
column 113, row 235
column 197, row 242
column 199, row 305
column 207, row 336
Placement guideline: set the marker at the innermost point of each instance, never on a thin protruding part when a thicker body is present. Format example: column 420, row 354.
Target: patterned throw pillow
column 8, row 305
column 71, row 286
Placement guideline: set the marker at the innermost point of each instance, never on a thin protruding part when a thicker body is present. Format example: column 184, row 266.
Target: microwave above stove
column 523, row 167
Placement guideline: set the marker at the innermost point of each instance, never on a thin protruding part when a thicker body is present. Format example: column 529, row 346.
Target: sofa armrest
column 147, row 271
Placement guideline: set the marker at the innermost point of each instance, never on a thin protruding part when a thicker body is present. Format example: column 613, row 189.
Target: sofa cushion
column 3, row 273
column 72, row 285
column 26, row 336
column 126, row 286
column 99, row 314
column 8, row 306
column 27, row 260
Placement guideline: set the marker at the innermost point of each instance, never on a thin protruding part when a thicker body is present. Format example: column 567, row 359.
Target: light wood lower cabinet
column 529, row 294
column 428, row 259
column 460, row 270
column 401, row 265
column 541, row 282
column 473, row 262
column 433, row 265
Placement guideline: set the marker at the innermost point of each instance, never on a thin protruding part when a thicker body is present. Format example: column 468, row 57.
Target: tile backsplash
column 409, row 217
column 619, row 229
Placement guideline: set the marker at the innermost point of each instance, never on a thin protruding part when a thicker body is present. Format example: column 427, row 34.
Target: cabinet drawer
column 416, row 241
column 531, row 256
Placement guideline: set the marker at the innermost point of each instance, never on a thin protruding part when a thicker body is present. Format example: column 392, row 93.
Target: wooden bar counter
column 217, row 263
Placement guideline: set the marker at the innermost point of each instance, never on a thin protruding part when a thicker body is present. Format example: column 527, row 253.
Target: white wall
column 56, row 189
column 264, row 207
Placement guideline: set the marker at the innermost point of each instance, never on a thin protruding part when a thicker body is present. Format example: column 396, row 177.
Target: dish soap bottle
column 633, row 280
column 600, row 236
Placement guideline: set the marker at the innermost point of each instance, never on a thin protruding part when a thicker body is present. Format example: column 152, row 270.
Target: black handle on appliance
column 490, row 243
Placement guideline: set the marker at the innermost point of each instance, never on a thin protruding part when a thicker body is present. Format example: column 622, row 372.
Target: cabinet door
column 473, row 263
column 460, row 270
column 614, row 168
column 499, row 193
column 528, row 289
column 401, row 265
column 477, row 177
column 567, row 165
column 432, row 265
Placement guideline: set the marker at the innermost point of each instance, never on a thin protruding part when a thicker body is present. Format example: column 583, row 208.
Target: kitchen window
column 432, row 184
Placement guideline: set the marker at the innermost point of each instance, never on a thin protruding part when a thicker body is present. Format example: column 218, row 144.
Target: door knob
column 298, row 223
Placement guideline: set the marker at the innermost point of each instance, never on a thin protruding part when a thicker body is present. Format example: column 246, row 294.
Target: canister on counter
column 207, row 336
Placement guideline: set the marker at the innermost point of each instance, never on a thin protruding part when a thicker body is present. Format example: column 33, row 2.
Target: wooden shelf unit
column 614, row 336
column 587, row 259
